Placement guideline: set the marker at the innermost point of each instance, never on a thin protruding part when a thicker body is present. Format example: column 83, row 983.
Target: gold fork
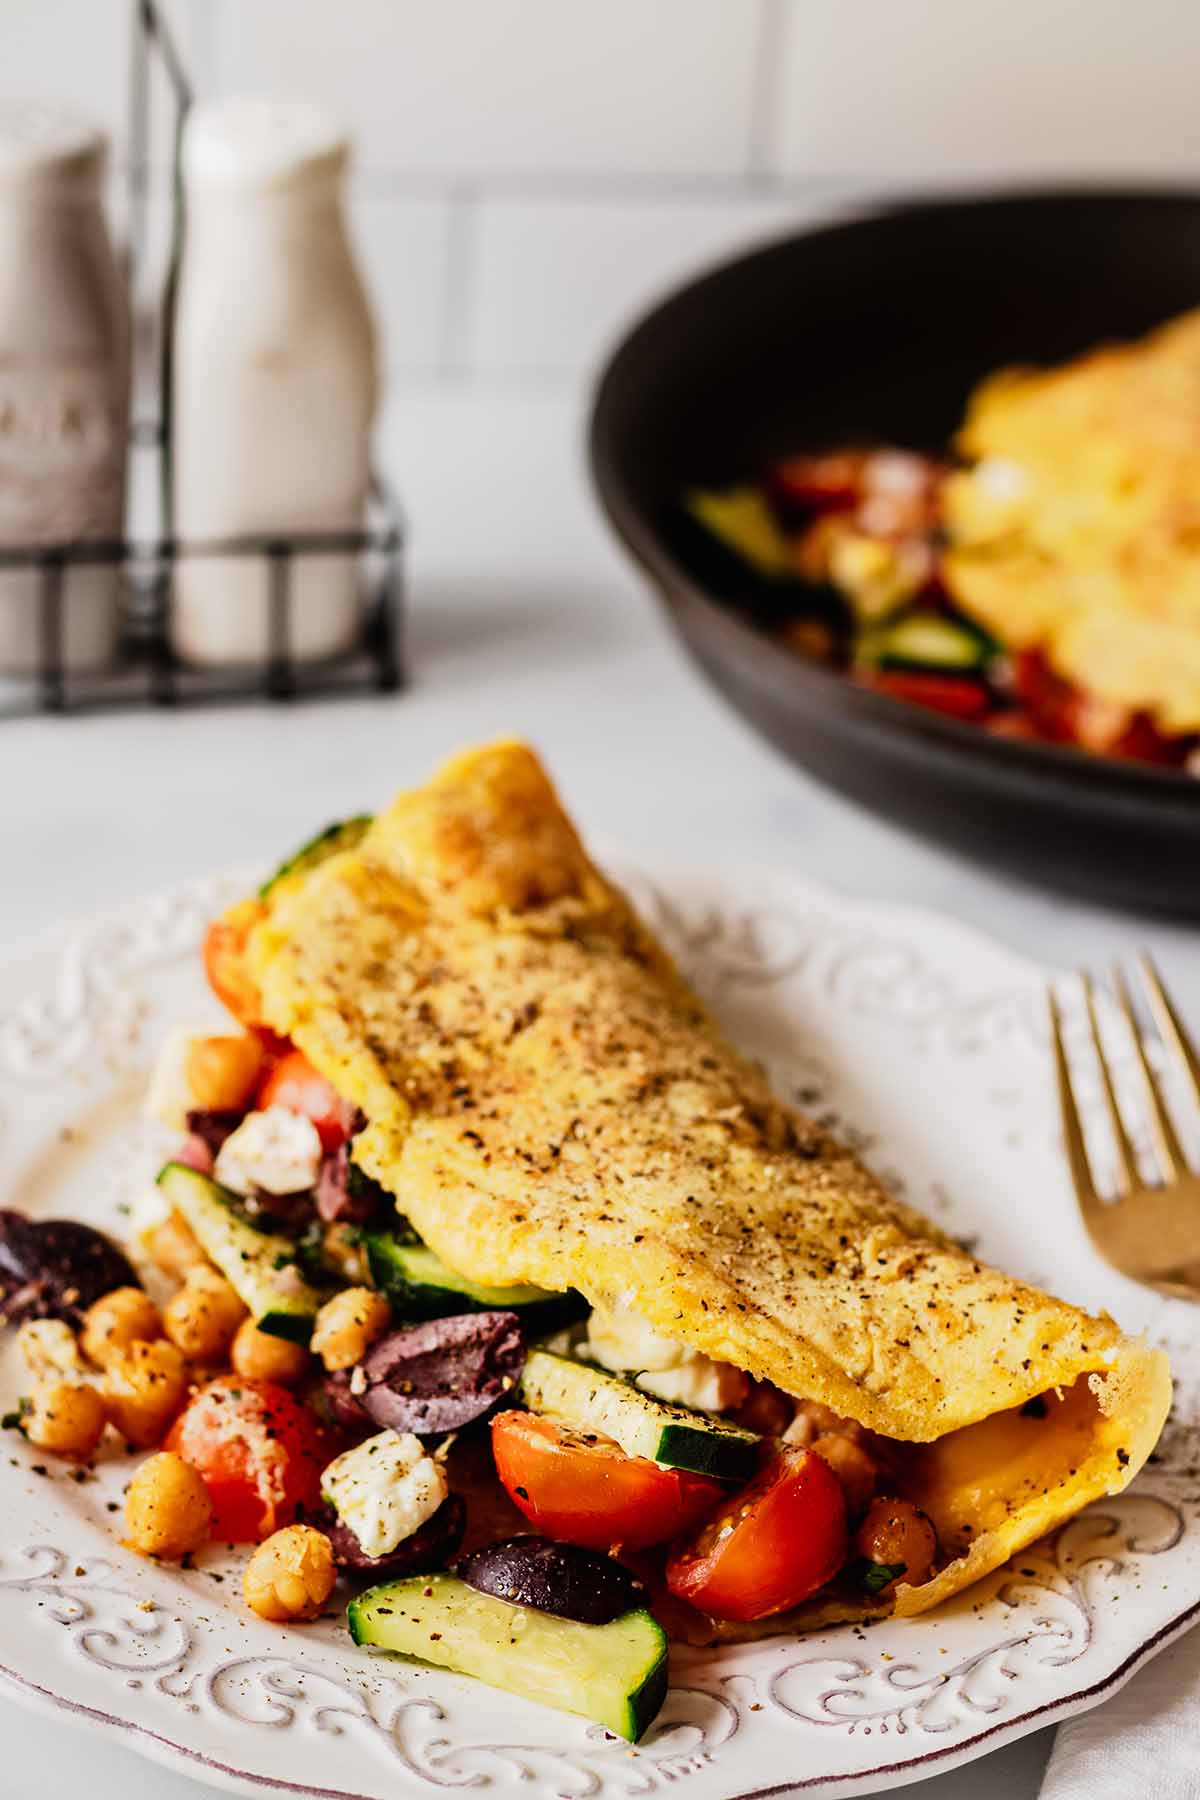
column 1149, row 1230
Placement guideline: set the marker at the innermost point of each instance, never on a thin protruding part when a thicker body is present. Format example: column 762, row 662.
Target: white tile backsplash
column 404, row 245
column 78, row 52
column 66, row 52
column 940, row 90
column 532, row 173
column 480, row 86
column 555, row 281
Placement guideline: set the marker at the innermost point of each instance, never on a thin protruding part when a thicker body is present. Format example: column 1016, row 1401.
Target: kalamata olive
column 55, row 1268
column 212, row 1128
column 440, row 1375
column 554, row 1578
column 430, row 1547
column 336, row 1400
column 274, row 1212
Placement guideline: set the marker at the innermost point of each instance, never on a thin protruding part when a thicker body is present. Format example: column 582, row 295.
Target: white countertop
column 525, row 619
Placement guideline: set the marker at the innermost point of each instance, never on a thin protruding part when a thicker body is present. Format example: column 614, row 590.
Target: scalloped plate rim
column 906, row 922
column 156, row 1747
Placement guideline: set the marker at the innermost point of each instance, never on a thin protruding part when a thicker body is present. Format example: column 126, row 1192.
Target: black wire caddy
column 146, row 671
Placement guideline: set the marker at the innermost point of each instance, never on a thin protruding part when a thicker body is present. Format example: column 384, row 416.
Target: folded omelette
column 550, row 1103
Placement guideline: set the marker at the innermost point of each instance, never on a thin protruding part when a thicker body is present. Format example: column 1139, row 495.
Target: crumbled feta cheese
column 697, row 1382
column 619, row 1340
column 1001, row 479
column 148, row 1209
column 212, row 1412
column 385, row 1489
column 49, row 1347
column 277, row 1152
column 897, row 472
column 169, row 1097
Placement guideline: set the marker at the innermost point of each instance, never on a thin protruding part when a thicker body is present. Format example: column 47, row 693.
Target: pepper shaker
column 64, row 381
column 275, row 379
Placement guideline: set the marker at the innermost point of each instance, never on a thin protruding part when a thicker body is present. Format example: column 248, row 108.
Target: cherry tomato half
column 583, row 1489
column 294, row 1083
column 768, row 1547
column 225, row 960
column 1060, row 712
column 957, row 696
column 825, row 483
column 258, row 1451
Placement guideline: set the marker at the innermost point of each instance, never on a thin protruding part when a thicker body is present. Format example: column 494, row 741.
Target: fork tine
column 1167, row 1150
column 1170, row 1028
column 1077, row 1156
column 1127, row 1174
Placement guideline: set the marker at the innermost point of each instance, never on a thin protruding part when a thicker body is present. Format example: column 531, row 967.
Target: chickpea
column 67, row 1417
column 202, row 1316
column 854, row 1467
column 49, row 1347
column 291, row 1575
column 167, row 1508
column 257, row 1356
column 145, row 1388
column 222, row 1072
column 348, row 1325
column 897, row 1532
column 813, row 1418
column 172, row 1246
column 118, row 1319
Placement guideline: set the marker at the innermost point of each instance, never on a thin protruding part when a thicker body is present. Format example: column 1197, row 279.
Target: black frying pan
column 877, row 329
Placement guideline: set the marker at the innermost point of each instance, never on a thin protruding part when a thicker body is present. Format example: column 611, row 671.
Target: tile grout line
column 600, row 185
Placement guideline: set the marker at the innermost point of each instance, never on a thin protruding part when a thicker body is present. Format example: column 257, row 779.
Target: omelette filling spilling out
column 719, row 1348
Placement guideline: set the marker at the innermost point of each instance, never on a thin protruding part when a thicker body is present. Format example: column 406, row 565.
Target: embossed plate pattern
column 922, row 1043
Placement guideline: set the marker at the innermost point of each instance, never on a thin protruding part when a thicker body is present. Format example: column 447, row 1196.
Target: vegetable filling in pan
column 1044, row 583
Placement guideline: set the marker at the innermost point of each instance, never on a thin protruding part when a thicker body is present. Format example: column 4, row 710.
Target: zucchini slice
column 342, row 835
column 741, row 520
column 924, row 640
column 260, row 1266
column 419, row 1286
column 615, row 1674
column 591, row 1399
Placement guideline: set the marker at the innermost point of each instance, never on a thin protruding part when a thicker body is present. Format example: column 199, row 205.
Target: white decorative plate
column 923, row 1043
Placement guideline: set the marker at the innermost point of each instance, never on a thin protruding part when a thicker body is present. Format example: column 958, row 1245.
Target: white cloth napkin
column 1145, row 1740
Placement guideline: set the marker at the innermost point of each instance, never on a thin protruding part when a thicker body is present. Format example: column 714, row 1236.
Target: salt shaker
column 275, row 379
column 64, row 381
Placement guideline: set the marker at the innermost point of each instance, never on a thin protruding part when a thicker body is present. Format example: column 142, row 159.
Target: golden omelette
column 550, row 1103
column 1077, row 529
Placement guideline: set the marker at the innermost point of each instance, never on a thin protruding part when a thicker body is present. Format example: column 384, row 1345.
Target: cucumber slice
column 615, row 1674
column 260, row 1266
column 591, row 1399
column 340, row 836
column 420, row 1286
column 928, row 641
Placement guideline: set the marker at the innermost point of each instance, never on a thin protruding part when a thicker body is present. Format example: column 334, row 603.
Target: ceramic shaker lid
column 48, row 146
column 259, row 141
